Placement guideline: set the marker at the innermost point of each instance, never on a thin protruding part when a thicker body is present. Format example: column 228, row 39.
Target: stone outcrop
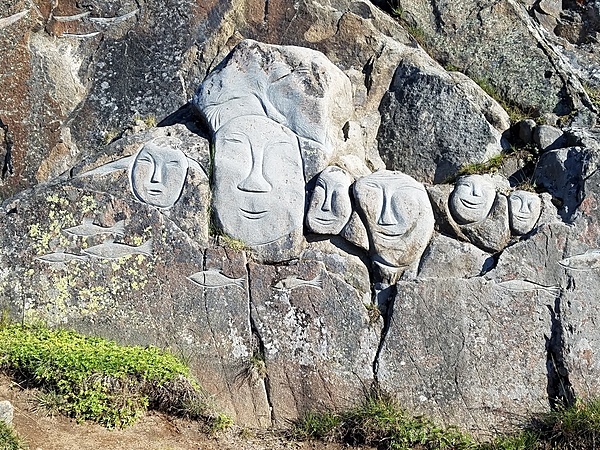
column 256, row 231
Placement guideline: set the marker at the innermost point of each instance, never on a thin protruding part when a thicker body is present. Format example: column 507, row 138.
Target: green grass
column 380, row 422
column 91, row 378
column 492, row 165
column 8, row 439
column 593, row 93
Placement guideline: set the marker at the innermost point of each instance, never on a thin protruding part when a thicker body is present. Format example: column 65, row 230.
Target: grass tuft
column 91, row 378
column 8, row 439
column 515, row 112
column 492, row 165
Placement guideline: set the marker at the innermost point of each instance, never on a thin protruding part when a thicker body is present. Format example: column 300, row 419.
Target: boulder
column 6, row 412
column 548, row 137
column 433, row 122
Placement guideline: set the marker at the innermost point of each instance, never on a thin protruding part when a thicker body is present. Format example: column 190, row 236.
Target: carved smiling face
column 525, row 209
column 158, row 173
column 398, row 215
column 258, row 180
column 330, row 207
column 472, row 199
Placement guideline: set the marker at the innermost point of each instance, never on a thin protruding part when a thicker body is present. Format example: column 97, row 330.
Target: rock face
column 434, row 122
column 6, row 412
column 256, row 232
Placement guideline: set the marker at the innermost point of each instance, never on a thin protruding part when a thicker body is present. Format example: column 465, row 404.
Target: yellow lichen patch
column 87, row 204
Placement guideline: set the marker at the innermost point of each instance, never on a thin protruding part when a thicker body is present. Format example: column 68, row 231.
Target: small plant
column 373, row 312
column 312, row 425
column 593, row 93
column 232, row 243
column 49, row 402
column 221, row 422
column 8, row 439
column 110, row 135
column 149, row 120
column 492, row 165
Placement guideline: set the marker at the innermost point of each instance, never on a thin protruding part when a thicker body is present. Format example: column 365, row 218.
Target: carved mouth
column 253, row 215
column 522, row 217
column 155, row 192
column 471, row 204
column 325, row 221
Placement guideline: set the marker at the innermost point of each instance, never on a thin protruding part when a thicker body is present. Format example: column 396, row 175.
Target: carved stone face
column 472, row 199
column 158, row 173
column 258, row 193
column 330, row 207
column 398, row 214
column 525, row 209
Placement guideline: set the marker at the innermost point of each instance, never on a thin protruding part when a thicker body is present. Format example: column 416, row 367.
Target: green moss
column 97, row 379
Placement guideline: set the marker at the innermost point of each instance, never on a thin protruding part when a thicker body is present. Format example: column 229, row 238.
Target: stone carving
column 61, row 257
column 88, row 228
column 398, row 215
column 258, row 194
column 524, row 211
column 583, row 261
column 115, row 250
column 215, row 279
column 158, row 172
column 330, row 206
column 472, row 199
column 293, row 282
column 296, row 87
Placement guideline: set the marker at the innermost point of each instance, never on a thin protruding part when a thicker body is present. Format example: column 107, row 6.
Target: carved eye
column 173, row 164
column 145, row 159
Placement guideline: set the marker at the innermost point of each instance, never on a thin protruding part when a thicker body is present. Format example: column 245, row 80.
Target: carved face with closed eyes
column 525, row 209
column 258, row 193
column 330, row 206
column 158, row 172
column 398, row 214
column 472, row 199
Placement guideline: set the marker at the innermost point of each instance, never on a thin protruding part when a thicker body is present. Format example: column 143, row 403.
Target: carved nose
column 327, row 203
column 387, row 216
column 157, row 174
column 255, row 182
column 475, row 190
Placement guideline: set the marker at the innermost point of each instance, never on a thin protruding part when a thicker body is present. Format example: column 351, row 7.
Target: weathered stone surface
column 397, row 215
column 150, row 283
column 319, row 344
column 562, row 172
column 456, row 350
column 6, row 412
column 526, row 128
column 453, row 259
column 478, row 37
column 548, row 137
column 434, row 122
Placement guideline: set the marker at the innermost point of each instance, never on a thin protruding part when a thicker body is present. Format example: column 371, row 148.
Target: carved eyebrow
column 236, row 138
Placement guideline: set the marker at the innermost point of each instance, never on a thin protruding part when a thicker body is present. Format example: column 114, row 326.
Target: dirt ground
column 153, row 432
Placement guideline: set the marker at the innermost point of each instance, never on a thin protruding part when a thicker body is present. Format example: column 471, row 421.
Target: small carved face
column 525, row 209
column 258, row 180
column 158, row 173
column 472, row 199
column 398, row 214
column 330, row 207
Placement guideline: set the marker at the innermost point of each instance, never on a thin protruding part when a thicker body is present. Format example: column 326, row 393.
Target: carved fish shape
column 6, row 21
column 527, row 286
column 61, row 257
column 584, row 261
column 114, row 250
column 215, row 279
column 89, row 229
column 287, row 284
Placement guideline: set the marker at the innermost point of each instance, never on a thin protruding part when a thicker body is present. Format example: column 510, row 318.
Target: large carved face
column 158, row 173
column 398, row 215
column 472, row 199
column 330, row 206
column 258, row 193
column 525, row 209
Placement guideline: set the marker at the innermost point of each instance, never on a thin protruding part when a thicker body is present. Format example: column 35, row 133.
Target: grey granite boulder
column 453, row 259
column 434, row 122
column 548, row 137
